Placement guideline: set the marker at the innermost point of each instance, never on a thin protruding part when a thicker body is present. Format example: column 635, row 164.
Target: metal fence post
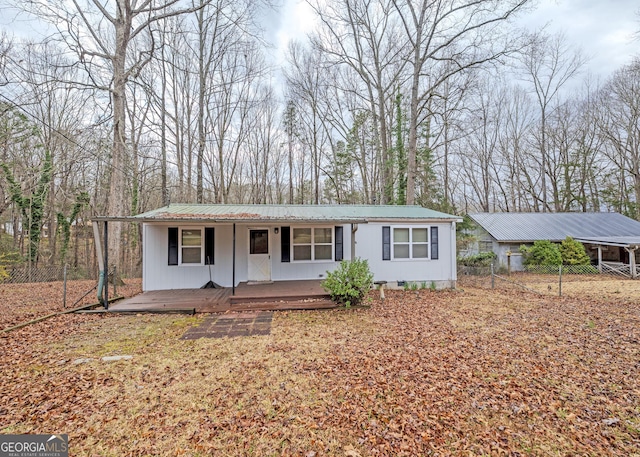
column 64, row 287
column 560, row 281
column 115, row 281
column 493, row 278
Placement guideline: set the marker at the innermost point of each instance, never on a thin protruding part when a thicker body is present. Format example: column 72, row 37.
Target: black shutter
column 209, row 243
column 339, row 243
column 173, row 245
column 434, row 243
column 285, row 244
column 386, row 243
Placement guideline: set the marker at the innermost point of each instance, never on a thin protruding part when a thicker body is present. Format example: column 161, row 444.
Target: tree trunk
column 117, row 184
column 413, row 136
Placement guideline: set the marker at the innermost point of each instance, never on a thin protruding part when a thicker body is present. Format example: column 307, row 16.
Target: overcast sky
column 604, row 29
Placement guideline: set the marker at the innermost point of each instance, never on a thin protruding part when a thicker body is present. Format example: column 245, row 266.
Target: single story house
column 185, row 243
column 608, row 237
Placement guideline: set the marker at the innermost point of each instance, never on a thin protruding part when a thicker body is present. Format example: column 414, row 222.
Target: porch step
column 287, row 304
column 237, row 299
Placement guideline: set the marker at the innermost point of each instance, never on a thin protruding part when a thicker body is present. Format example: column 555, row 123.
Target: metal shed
column 504, row 233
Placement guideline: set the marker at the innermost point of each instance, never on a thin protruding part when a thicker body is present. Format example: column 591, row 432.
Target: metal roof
column 284, row 213
column 622, row 241
column 528, row 227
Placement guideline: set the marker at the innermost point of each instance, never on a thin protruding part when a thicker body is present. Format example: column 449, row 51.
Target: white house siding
column 158, row 275
column 442, row 272
column 283, row 271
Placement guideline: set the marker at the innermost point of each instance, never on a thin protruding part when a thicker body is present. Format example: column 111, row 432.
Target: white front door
column 259, row 255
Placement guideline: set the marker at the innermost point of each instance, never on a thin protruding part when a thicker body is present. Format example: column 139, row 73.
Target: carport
column 629, row 243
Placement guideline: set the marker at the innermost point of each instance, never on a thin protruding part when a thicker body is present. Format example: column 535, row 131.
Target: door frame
column 249, row 255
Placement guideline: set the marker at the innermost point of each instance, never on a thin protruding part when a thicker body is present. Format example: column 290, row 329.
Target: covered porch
column 626, row 265
column 279, row 295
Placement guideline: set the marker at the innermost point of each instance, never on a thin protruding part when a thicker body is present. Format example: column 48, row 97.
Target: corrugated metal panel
column 624, row 241
column 523, row 227
column 353, row 213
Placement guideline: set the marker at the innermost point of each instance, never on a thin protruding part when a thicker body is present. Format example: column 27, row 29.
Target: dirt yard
column 468, row 372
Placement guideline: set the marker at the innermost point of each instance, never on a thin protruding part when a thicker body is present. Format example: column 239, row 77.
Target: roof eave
column 553, row 240
column 225, row 220
column 607, row 243
column 228, row 220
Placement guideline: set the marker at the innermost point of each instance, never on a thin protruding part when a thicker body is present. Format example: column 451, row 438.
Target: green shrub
column 349, row 283
column 484, row 259
column 573, row 252
column 542, row 253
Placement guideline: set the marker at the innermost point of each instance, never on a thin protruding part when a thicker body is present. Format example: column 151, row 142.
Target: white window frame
column 180, row 262
column 313, row 244
column 410, row 243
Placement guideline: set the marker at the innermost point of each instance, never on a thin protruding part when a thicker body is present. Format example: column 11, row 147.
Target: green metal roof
column 284, row 213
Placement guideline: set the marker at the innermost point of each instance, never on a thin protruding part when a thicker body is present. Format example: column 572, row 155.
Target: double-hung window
column 312, row 243
column 410, row 243
column 191, row 245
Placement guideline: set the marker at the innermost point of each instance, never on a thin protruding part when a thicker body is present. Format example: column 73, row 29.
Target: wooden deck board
column 282, row 295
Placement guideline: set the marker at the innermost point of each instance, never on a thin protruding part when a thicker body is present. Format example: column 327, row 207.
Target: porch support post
column 233, row 262
column 600, row 258
column 632, row 261
column 106, row 265
column 96, row 241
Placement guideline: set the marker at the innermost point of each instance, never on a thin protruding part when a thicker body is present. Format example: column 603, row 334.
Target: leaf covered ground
column 472, row 372
column 23, row 302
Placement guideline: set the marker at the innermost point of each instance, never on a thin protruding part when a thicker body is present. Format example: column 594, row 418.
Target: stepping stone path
column 231, row 325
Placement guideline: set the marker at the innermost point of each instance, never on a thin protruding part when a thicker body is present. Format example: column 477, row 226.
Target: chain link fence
column 546, row 280
column 17, row 274
column 27, row 274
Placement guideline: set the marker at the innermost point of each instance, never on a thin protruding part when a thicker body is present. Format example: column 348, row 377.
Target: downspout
column 354, row 229
column 454, row 256
column 96, row 239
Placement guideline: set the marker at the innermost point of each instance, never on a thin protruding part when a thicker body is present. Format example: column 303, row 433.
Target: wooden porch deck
column 280, row 295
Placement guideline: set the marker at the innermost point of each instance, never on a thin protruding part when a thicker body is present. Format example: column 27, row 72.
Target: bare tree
column 102, row 34
column 365, row 37
column 549, row 64
column 446, row 38
column 619, row 125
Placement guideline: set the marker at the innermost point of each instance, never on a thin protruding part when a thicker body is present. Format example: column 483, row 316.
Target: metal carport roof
column 529, row 227
column 631, row 242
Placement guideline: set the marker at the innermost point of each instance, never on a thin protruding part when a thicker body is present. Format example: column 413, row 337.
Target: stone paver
column 231, row 325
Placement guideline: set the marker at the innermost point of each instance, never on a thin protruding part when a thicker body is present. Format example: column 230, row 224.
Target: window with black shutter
column 339, row 243
column 173, row 245
column 434, row 243
column 386, row 243
column 209, row 245
column 285, row 244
